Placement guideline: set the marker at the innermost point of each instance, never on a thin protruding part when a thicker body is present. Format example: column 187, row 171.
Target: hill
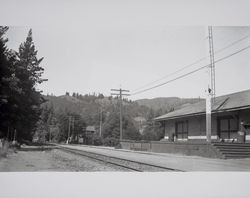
column 167, row 103
column 90, row 110
column 89, row 105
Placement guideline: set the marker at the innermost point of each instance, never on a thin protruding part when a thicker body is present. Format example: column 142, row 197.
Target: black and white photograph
column 110, row 88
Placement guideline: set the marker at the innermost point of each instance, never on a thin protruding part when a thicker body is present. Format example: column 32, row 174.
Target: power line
column 198, row 69
column 232, row 44
column 194, row 63
column 168, row 75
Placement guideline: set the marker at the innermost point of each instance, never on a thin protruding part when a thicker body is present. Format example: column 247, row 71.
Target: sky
column 96, row 53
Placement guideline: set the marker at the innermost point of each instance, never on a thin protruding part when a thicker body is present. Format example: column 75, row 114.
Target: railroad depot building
column 230, row 113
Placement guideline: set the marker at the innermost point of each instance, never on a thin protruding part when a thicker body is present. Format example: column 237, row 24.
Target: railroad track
column 130, row 165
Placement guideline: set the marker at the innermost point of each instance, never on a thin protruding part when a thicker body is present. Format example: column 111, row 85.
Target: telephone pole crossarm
column 123, row 90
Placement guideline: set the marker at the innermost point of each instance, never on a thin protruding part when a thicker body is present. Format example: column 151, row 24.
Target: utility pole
column 49, row 134
column 100, row 122
column 49, row 126
column 211, row 84
column 69, row 130
column 73, row 126
column 212, row 64
column 120, row 94
column 14, row 139
column 11, row 135
column 8, row 134
column 208, row 117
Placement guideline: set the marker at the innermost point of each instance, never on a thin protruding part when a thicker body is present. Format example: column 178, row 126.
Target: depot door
column 228, row 127
column 181, row 129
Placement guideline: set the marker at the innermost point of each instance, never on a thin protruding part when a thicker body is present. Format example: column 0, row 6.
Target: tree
column 153, row 131
column 101, row 96
column 47, row 119
column 63, row 123
column 29, row 73
column 4, row 83
column 131, row 132
column 9, row 89
column 111, row 127
column 77, row 125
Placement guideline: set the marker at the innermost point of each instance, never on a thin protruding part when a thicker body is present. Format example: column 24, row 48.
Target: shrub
column 3, row 153
column 97, row 140
column 110, row 141
column 4, row 149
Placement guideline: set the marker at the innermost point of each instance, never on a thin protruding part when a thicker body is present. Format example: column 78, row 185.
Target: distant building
column 87, row 136
column 230, row 113
column 90, row 129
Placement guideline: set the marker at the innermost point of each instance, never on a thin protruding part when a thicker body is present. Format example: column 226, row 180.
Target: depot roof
column 230, row 102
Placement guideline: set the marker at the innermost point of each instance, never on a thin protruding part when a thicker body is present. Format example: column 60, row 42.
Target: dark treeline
column 20, row 101
column 99, row 111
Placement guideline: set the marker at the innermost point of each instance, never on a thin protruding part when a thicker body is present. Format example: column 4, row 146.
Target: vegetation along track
column 120, row 162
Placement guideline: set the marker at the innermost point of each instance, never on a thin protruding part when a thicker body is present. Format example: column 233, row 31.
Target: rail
column 120, row 162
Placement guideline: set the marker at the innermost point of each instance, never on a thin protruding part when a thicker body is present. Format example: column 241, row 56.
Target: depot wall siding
column 197, row 149
column 184, row 148
column 196, row 126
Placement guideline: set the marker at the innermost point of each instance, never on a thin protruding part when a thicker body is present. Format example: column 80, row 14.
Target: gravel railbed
column 80, row 163
column 127, row 164
column 51, row 160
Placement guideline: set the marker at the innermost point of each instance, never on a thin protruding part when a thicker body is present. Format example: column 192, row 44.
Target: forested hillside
column 89, row 110
column 97, row 110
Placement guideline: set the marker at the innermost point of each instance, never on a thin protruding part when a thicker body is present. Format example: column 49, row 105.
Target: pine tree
column 4, row 73
column 47, row 119
column 9, row 89
column 29, row 72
